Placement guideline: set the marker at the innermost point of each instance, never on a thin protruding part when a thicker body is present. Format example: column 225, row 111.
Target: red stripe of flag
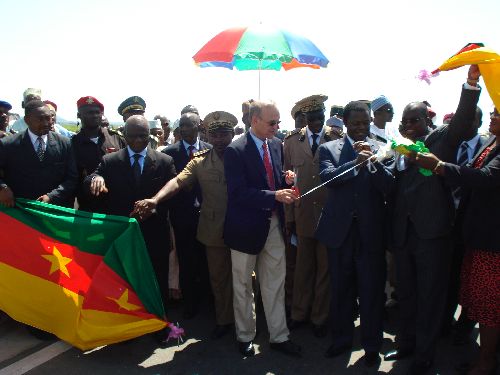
column 24, row 250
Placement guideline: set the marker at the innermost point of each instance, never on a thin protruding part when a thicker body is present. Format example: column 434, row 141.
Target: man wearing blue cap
column 382, row 114
column 5, row 107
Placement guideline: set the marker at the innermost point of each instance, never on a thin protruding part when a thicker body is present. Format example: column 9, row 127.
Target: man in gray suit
column 422, row 225
column 37, row 163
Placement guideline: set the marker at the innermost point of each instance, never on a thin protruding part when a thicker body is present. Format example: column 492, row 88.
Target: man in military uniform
column 311, row 283
column 91, row 144
column 135, row 105
column 207, row 169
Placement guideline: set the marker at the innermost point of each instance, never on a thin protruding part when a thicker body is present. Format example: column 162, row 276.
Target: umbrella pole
column 260, row 63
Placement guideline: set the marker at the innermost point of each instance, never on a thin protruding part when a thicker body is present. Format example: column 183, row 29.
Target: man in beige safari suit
column 311, row 292
column 207, row 169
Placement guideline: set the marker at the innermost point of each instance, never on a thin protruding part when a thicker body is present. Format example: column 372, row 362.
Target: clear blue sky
column 115, row 49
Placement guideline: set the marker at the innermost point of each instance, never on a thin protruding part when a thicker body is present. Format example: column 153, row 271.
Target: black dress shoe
column 371, row 359
column 246, row 348
column 400, row 353
column 419, row 367
column 334, row 351
column 287, row 347
column 320, row 330
column 220, row 331
column 294, row 324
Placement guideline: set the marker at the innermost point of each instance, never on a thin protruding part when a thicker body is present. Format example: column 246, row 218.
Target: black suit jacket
column 361, row 195
column 480, row 198
column 428, row 201
column 117, row 172
column 182, row 205
column 30, row 178
column 250, row 202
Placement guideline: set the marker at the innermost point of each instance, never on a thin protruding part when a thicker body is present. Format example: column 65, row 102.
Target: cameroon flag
column 87, row 278
column 488, row 62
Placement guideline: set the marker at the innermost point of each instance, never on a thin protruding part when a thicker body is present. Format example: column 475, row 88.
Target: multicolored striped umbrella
column 259, row 48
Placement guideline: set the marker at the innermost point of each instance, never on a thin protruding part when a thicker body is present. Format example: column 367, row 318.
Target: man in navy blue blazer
column 352, row 228
column 254, row 227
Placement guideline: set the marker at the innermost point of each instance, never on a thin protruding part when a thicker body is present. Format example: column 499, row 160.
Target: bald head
column 136, row 121
column 420, row 108
column 188, row 127
column 136, row 132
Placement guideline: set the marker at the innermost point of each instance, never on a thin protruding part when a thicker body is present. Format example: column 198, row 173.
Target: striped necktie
column 269, row 167
column 463, row 156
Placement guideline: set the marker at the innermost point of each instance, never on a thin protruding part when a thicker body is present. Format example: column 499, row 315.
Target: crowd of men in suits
column 246, row 215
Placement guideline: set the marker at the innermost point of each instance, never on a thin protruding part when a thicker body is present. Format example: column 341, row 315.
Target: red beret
column 89, row 100
column 52, row 104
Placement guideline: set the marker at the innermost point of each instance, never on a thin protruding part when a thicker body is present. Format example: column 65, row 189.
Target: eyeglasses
column 272, row 122
column 412, row 120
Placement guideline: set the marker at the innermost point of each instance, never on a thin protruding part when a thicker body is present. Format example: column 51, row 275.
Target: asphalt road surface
column 199, row 355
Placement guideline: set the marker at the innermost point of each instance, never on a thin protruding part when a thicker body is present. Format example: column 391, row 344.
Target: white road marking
column 36, row 359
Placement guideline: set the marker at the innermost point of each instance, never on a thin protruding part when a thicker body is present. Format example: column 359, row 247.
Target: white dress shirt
column 34, row 140
column 310, row 134
column 196, row 146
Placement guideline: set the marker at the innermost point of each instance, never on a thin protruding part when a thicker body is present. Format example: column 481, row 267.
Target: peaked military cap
column 134, row 103
column 220, row 120
column 310, row 104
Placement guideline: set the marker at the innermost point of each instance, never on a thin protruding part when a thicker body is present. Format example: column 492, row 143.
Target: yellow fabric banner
column 489, row 65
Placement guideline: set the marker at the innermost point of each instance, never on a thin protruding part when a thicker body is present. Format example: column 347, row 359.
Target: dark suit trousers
column 157, row 241
column 193, row 268
column 422, row 268
column 357, row 262
column 458, row 249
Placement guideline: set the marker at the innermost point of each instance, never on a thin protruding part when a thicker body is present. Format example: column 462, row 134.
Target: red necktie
column 191, row 148
column 269, row 167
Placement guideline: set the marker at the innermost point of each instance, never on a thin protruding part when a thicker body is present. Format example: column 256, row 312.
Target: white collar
column 374, row 129
column 352, row 140
column 34, row 137
column 196, row 144
column 310, row 133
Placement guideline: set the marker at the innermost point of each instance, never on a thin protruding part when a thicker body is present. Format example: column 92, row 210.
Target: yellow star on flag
column 58, row 262
column 124, row 303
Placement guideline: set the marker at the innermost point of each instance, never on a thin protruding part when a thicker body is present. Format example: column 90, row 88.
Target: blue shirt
column 141, row 159
column 259, row 142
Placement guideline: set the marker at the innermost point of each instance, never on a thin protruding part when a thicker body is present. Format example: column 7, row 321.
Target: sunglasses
column 388, row 110
column 272, row 122
column 318, row 117
column 412, row 120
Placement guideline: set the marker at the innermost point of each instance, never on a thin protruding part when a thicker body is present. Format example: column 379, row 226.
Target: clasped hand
column 143, row 209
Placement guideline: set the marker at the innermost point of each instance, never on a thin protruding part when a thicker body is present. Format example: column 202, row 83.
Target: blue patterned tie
column 40, row 149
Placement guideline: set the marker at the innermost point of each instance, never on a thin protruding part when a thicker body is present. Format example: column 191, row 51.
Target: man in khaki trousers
column 311, row 291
